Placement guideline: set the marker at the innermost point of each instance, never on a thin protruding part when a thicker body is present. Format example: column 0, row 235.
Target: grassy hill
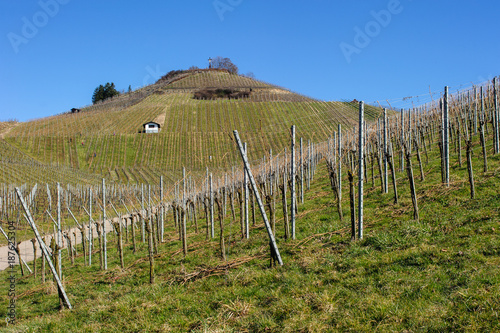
column 436, row 273
column 104, row 139
column 439, row 274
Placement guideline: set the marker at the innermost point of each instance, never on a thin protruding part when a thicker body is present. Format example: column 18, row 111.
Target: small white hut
column 151, row 127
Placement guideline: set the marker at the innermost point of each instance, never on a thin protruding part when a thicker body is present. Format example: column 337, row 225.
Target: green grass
column 439, row 274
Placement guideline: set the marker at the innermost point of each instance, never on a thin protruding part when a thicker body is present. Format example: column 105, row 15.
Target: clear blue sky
column 79, row 44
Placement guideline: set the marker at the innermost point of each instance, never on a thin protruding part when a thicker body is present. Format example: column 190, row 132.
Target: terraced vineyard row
column 105, row 140
column 196, row 134
column 92, row 123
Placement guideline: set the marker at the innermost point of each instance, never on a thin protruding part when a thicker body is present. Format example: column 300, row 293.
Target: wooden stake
column 150, row 250
column 221, row 224
column 292, row 179
column 105, row 254
column 469, row 169
column 409, row 172
column 352, row 204
column 361, row 167
column 274, row 248
column 33, row 241
column 62, row 293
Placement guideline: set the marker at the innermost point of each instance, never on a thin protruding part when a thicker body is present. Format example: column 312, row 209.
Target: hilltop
column 106, row 139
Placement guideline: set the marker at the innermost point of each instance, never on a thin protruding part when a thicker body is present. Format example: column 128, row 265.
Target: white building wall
column 151, row 128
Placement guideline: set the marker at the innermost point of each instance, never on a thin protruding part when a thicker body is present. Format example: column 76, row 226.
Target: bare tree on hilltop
column 225, row 63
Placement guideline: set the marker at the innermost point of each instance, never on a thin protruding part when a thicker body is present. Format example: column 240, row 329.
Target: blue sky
column 53, row 53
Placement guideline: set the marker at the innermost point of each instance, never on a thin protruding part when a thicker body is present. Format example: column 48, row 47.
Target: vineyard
column 272, row 213
column 106, row 139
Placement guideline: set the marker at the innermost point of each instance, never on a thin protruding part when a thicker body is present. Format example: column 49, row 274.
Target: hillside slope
column 439, row 274
column 105, row 139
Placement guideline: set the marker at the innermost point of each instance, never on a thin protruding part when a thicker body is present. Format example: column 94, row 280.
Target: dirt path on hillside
column 6, row 130
column 26, row 247
column 161, row 119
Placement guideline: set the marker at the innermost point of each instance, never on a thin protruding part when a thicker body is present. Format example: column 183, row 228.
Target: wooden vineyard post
column 309, row 165
column 293, row 194
column 207, row 215
column 33, row 241
column 469, row 169
column 283, row 188
column 424, row 145
column 339, row 173
column 143, row 236
column 150, row 248
column 75, row 249
column 482, row 124
column 117, row 224
column 441, row 141
column 390, row 160
column 211, row 206
column 446, row 142
column 84, row 243
column 302, row 173
column 194, row 205
column 274, row 248
column 120, row 242
column 402, row 139
column 70, row 248
column 62, row 293
column 104, row 249
column 386, row 175
column 246, row 195
column 221, row 223
column 379, row 158
column 252, row 205
column 134, row 245
column 18, row 250
column 271, row 207
column 361, row 168
column 162, row 211
column 184, row 214
column 419, row 159
column 459, row 145
column 496, row 140
column 474, row 101
column 225, row 189
column 352, row 205
column 240, row 192
column 91, row 234
column 153, row 214
column 271, row 178
column 372, row 168
column 177, row 217
column 409, row 172
column 59, row 231
column 42, row 270
column 99, row 238
column 55, row 250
